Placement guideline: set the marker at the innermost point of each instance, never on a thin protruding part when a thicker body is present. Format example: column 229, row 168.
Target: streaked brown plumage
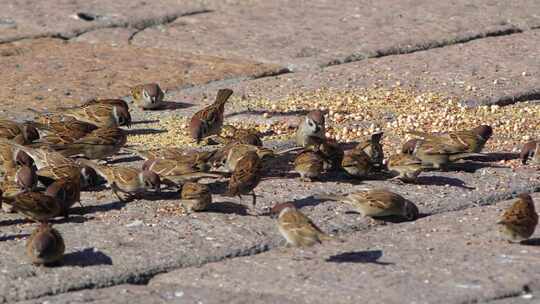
column 439, row 155
column 209, row 120
column 356, row 163
column 231, row 134
column 519, row 221
column 373, row 148
column 36, row 205
column 128, row 180
column 98, row 144
column 228, row 156
column 309, row 164
column 195, row 197
column 148, row 96
column 67, row 192
column 406, row 165
column 377, row 203
column 99, row 114
column 246, row 176
column 297, row 229
column 21, row 133
column 471, row 140
column 45, row 245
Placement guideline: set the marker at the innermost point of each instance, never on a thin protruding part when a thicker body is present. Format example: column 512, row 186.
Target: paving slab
column 110, row 243
column 52, row 72
column 67, row 19
column 494, row 70
column 455, row 257
column 302, row 35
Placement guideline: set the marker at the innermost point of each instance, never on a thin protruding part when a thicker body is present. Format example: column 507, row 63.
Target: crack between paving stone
column 139, row 25
column 144, row 277
column 396, row 50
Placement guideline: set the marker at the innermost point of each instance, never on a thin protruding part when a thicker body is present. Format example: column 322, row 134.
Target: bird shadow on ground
column 72, row 219
column 13, row 237
column 145, row 131
column 115, row 205
column 470, row 166
column 436, row 180
column 272, row 113
column 12, row 222
column 495, row 156
column 308, row 201
column 86, row 257
column 144, row 122
column 127, row 159
column 228, row 208
column 171, row 105
column 531, row 242
column 368, row 256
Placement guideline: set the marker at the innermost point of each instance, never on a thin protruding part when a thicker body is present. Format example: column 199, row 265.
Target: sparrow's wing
column 299, row 224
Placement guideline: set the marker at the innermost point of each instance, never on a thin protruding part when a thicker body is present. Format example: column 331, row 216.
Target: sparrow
column 195, row 197
column 36, row 205
column 173, row 153
column 373, row 148
column 178, row 171
column 128, row 180
column 406, row 166
column 21, row 133
column 148, row 96
column 377, row 203
column 311, row 129
column 228, row 156
column 42, row 157
column 472, row 140
column 23, row 179
column 55, row 133
column 309, row 164
column 297, row 229
column 246, row 176
column 231, row 134
column 47, row 175
column 209, row 120
column 99, row 114
column 45, row 245
column 439, row 155
column 114, row 102
column 98, row 144
column 8, row 161
column 333, row 154
column 519, row 221
column 356, row 163
column 67, row 192
column 530, row 150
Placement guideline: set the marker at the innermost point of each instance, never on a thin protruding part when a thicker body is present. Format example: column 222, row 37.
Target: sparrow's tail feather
column 222, row 97
column 293, row 149
column 465, row 155
column 329, row 197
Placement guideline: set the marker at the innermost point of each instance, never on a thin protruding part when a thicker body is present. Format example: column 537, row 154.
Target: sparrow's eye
column 310, row 123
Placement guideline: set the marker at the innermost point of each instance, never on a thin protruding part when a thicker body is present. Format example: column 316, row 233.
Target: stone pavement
column 487, row 52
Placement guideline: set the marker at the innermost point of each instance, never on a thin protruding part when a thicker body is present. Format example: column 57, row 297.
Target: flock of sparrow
column 46, row 163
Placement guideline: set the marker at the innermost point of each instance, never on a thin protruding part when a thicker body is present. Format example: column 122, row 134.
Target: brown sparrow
column 99, row 144
column 309, row 164
column 231, row 134
column 209, row 120
column 356, row 163
column 173, row 153
column 66, row 191
column 178, row 171
column 62, row 132
column 311, row 129
column 406, row 165
column 530, row 150
column 297, row 228
column 472, row 140
column 20, row 133
column 246, row 176
column 439, row 155
column 113, row 102
column 333, row 154
column 519, row 221
column 44, row 157
column 47, row 175
column 45, row 245
column 128, row 180
column 99, row 114
column 23, row 179
column 228, row 156
column 36, row 205
column 195, row 196
column 373, row 148
column 148, row 96
column 377, row 203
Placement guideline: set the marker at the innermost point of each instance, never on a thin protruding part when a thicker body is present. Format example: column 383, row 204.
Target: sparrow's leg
column 115, row 190
column 254, row 201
